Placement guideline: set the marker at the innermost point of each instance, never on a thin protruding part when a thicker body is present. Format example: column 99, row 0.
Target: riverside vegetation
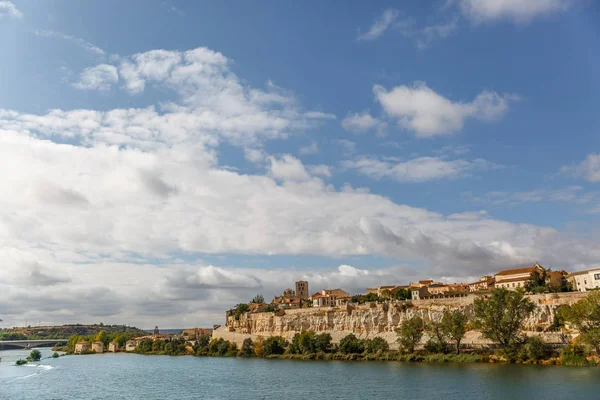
column 499, row 318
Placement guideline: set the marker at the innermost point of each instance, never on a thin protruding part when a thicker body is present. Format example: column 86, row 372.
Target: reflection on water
column 130, row 376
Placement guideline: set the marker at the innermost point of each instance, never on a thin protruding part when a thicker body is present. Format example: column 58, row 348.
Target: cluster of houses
column 511, row 279
column 189, row 335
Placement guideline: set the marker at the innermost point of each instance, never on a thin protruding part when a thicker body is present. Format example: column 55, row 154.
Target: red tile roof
column 518, row 270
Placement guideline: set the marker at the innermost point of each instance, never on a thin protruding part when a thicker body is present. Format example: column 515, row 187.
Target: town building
column 130, row 345
column 583, row 281
column 513, row 279
column 156, row 331
column 82, row 347
column 98, row 347
column 195, row 333
column 484, row 283
column 113, row 347
column 328, row 297
column 302, row 290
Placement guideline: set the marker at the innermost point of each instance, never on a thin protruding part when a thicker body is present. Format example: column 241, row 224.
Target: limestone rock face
column 371, row 320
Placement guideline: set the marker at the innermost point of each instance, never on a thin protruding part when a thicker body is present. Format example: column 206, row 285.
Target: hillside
column 64, row 331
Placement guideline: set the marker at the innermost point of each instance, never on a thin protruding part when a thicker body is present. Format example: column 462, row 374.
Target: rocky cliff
column 370, row 320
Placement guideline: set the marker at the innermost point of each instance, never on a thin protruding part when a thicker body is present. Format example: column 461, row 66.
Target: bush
column 218, row 347
column 273, row 346
column 433, row 347
column 376, row 345
column 35, row 355
column 21, row 362
column 534, row 348
column 55, row 355
column 350, row 344
column 573, row 355
column 323, row 342
column 247, row 348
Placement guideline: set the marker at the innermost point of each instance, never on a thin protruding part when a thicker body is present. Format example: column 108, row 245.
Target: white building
column 583, row 281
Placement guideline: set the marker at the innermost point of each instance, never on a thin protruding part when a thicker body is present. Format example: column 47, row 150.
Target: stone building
column 156, row 331
column 130, row 345
column 484, row 283
column 328, row 297
column 98, row 347
column 113, row 347
column 82, row 347
column 513, row 279
column 302, row 290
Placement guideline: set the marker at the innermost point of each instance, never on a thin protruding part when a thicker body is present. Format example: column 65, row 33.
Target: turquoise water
column 130, row 376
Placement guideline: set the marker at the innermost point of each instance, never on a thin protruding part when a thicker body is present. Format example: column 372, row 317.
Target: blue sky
column 217, row 149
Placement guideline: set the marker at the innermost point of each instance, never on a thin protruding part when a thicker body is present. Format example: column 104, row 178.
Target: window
column 597, row 277
column 513, row 284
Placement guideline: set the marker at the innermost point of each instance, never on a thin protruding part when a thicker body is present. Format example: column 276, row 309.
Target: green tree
column 21, row 362
column 323, row 342
column 376, row 345
column 350, row 344
column 584, row 315
column 500, row 318
column 385, row 294
column 102, row 336
column 35, row 355
column 273, row 345
column 454, row 326
column 73, row 340
column 402, row 294
column 239, row 310
column 538, row 282
column 410, row 333
column 439, row 337
column 247, row 348
column 258, row 299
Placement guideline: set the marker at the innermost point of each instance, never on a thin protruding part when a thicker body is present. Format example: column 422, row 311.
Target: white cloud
column 313, row 148
column 427, row 113
column 348, row 270
column 416, row 170
column 363, row 122
column 517, row 10
column 321, row 170
column 380, row 25
column 255, row 156
column 423, row 36
column 288, row 168
column 348, row 147
column 7, row 8
column 588, row 169
column 567, row 194
column 100, row 77
column 77, row 41
column 102, row 203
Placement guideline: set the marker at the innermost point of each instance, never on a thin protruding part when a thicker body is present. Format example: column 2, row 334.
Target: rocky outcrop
column 371, row 320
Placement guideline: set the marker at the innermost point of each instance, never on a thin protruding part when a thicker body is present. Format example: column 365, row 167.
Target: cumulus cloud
column 416, row 170
column 420, row 109
column 348, row 270
column 588, row 169
column 380, row 25
column 111, row 199
column 363, row 122
column 100, row 77
column 517, row 10
column 8, row 9
column 92, row 48
column 313, row 148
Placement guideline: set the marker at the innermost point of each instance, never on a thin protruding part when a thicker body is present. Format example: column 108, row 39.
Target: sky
column 161, row 162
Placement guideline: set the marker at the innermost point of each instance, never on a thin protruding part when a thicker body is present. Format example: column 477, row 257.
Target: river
column 131, row 376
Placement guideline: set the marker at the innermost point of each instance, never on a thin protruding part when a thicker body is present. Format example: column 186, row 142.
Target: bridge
column 27, row 344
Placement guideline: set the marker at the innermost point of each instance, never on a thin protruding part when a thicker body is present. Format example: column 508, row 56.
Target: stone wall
column 375, row 319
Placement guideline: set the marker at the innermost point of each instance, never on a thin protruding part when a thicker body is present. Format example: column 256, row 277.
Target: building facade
column 302, row 290
column 82, row 347
column 583, row 281
column 130, row 345
column 98, row 347
column 512, row 279
column 113, row 347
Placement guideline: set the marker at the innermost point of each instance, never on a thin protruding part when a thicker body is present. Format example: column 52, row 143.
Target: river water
column 131, row 376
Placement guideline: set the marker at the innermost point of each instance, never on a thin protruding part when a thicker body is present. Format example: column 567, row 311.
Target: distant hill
column 64, row 331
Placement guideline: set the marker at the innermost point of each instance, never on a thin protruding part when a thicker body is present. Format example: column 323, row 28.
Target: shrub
column 273, row 346
column 247, row 348
column 35, row 355
column 534, row 348
column 21, row 362
column 350, row 344
column 573, row 355
column 323, row 342
column 433, row 346
column 55, row 355
column 376, row 345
